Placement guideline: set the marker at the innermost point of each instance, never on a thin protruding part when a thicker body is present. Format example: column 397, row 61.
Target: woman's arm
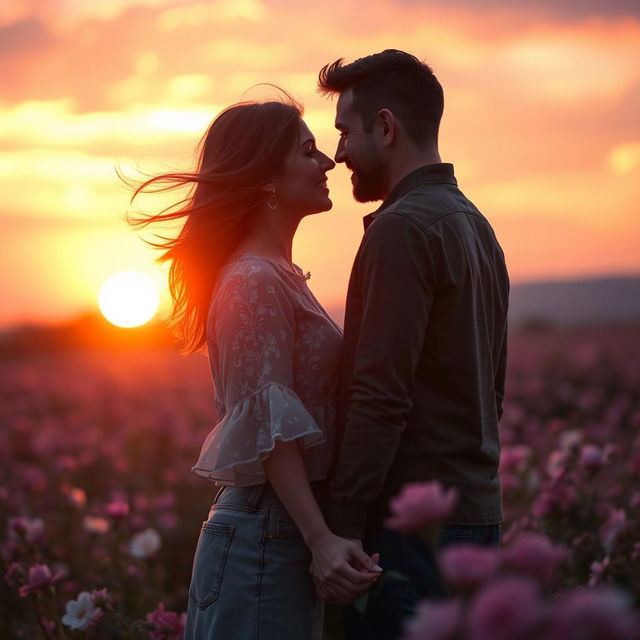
column 288, row 477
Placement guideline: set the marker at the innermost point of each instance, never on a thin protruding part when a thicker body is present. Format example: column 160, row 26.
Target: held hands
column 341, row 569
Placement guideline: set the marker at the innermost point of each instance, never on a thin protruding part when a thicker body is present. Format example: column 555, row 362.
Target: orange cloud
column 540, row 121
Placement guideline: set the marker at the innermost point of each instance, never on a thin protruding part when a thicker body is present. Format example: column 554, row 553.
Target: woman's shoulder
column 249, row 276
column 248, row 266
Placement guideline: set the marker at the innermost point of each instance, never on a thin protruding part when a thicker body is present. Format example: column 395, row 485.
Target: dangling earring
column 272, row 202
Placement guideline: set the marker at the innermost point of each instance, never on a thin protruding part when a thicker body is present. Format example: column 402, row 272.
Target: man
column 425, row 339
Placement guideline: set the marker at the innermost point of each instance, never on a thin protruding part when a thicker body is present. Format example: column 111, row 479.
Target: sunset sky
column 542, row 124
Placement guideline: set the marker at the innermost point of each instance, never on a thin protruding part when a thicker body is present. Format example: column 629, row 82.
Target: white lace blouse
column 274, row 355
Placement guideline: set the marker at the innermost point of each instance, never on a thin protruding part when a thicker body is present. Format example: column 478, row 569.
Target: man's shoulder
column 427, row 204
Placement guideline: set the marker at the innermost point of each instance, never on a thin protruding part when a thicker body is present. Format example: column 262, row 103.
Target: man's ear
column 387, row 124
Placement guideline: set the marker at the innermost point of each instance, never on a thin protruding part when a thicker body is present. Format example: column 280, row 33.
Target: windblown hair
column 394, row 80
column 243, row 148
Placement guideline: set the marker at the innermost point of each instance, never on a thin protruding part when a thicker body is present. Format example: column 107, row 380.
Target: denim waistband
column 255, row 495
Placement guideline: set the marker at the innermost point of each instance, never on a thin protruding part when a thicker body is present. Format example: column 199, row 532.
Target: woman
column 273, row 352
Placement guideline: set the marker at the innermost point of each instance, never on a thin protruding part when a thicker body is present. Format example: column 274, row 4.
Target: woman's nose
column 328, row 163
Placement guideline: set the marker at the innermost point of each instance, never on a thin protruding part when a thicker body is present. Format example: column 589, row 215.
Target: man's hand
column 341, row 569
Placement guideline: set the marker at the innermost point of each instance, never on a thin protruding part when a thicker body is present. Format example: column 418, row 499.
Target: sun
column 128, row 299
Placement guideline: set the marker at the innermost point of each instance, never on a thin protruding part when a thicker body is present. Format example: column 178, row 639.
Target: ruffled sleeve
column 250, row 336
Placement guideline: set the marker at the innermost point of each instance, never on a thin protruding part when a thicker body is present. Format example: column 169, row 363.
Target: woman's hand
column 340, row 568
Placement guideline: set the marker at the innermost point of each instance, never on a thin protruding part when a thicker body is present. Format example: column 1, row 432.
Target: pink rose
column 40, row 577
column 117, row 509
column 610, row 531
column 168, row 624
column 513, row 458
column 466, row 566
column 591, row 457
column 534, row 555
column 421, row 505
column 504, row 610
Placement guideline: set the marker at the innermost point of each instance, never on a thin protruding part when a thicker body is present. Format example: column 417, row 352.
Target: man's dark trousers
column 415, row 577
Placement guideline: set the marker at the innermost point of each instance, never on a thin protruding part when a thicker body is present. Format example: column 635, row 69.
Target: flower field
column 99, row 513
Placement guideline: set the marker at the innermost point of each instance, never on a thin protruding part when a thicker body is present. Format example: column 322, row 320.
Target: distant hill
column 88, row 329
column 576, row 302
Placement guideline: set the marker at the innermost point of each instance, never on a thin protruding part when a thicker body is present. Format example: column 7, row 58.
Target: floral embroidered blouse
column 274, row 355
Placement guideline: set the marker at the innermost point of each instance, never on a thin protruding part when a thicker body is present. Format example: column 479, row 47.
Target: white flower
column 81, row 613
column 145, row 543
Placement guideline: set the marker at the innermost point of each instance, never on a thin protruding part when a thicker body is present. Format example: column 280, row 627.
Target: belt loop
column 256, row 494
column 220, row 490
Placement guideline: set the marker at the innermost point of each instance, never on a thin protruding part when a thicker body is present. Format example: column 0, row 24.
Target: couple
column 318, row 430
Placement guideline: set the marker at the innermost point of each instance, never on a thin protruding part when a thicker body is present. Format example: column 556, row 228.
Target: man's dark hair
column 394, row 80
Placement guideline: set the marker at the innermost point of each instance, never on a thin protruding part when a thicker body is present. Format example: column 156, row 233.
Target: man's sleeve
column 396, row 277
column 500, row 376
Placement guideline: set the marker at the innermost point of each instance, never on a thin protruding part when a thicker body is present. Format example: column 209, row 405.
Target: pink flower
column 597, row 570
column 15, row 574
column 100, row 597
column 95, row 524
column 513, row 458
column 168, row 625
column 466, row 566
column 557, row 463
column 591, row 457
column 506, row 610
column 40, row 578
column 76, row 496
column 434, row 621
column 585, row 612
column 117, row 509
column 534, row 555
column 557, row 498
column 570, row 439
column 31, row 529
column 610, row 531
column 421, row 505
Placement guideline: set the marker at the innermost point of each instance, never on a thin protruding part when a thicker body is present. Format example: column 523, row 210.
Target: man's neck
column 402, row 168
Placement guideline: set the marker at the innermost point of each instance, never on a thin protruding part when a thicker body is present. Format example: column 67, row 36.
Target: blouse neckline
column 297, row 271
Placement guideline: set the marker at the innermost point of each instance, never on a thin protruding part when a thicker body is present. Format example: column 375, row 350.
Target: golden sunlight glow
column 128, row 299
column 625, row 157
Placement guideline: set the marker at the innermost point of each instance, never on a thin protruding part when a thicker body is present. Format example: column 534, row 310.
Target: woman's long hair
column 243, row 148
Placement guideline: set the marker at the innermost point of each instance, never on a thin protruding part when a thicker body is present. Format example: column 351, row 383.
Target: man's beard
column 368, row 184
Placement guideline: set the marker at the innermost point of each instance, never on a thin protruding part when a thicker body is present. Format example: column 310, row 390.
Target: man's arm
column 501, row 375
column 396, row 276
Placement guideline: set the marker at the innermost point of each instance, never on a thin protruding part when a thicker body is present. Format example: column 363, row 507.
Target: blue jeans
column 394, row 600
column 250, row 577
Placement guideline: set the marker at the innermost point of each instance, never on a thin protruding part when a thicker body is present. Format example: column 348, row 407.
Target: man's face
column 360, row 150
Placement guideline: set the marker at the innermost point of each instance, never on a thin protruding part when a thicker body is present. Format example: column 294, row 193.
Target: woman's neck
column 271, row 237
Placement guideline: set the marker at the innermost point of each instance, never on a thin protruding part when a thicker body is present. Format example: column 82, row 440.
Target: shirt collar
column 437, row 173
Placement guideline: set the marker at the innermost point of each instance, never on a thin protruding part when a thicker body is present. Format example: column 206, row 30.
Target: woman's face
column 301, row 186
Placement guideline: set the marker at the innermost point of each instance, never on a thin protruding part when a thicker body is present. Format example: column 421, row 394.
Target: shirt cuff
column 347, row 520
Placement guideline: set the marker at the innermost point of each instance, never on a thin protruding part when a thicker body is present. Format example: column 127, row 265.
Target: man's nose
column 341, row 155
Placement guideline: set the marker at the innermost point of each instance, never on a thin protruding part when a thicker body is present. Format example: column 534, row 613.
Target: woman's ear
column 387, row 124
column 268, row 188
